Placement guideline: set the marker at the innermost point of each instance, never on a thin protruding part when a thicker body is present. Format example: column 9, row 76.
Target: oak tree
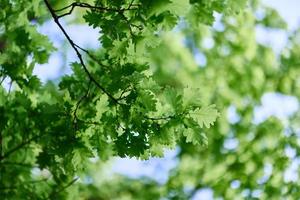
column 143, row 92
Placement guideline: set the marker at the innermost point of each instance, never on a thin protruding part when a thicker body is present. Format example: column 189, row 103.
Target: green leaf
column 156, row 7
column 179, row 7
column 119, row 49
column 174, row 99
column 148, row 100
column 194, row 136
column 205, row 116
column 101, row 107
column 77, row 159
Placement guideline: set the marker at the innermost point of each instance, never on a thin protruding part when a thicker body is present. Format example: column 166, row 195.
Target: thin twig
column 160, row 118
column 86, row 5
column 91, row 56
column 10, row 86
column 131, row 3
column 79, row 102
column 55, row 193
column 4, row 77
column 129, row 24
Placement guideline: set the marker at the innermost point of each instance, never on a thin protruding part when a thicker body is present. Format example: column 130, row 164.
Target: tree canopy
column 144, row 91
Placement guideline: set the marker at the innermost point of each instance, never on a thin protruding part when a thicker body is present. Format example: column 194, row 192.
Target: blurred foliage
column 144, row 91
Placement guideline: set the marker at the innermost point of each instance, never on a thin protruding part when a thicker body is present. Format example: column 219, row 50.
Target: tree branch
column 73, row 45
column 78, row 104
column 160, row 118
column 91, row 56
column 3, row 78
column 86, row 5
column 54, row 193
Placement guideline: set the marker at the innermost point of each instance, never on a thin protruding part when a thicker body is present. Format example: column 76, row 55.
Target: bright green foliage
column 139, row 94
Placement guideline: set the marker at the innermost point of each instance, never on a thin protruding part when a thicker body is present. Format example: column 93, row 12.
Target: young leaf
column 205, row 116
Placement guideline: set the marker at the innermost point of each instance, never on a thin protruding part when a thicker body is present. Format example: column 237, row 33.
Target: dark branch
column 160, row 118
column 89, row 122
column 10, row 86
column 127, row 23
column 78, row 104
column 95, row 8
column 92, row 56
column 131, row 3
column 3, row 78
column 55, row 193
column 73, row 45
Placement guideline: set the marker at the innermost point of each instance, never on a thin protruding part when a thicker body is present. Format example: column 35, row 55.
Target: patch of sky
column 288, row 9
column 256, row 193
column 204, row 194
column 246, row 193
column 200, row 58
column 208, row 43
column 291, row 172
column 232, row 115
column 156, row 168
column 181, row 25
column 290, row 152
column 275, row 104
column 260, row 14
column 235, row 184
column 267, row 173
column 231, row 143
column 7, row 83
column 51, row 70
column 218, row 25
column 275, row 38
column 58, row 63
column 37, row 172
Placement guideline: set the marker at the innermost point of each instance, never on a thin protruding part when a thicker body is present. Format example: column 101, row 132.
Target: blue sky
column 288, row 9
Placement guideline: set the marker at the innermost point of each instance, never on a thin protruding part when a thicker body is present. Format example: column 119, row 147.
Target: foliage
column 140, row 93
